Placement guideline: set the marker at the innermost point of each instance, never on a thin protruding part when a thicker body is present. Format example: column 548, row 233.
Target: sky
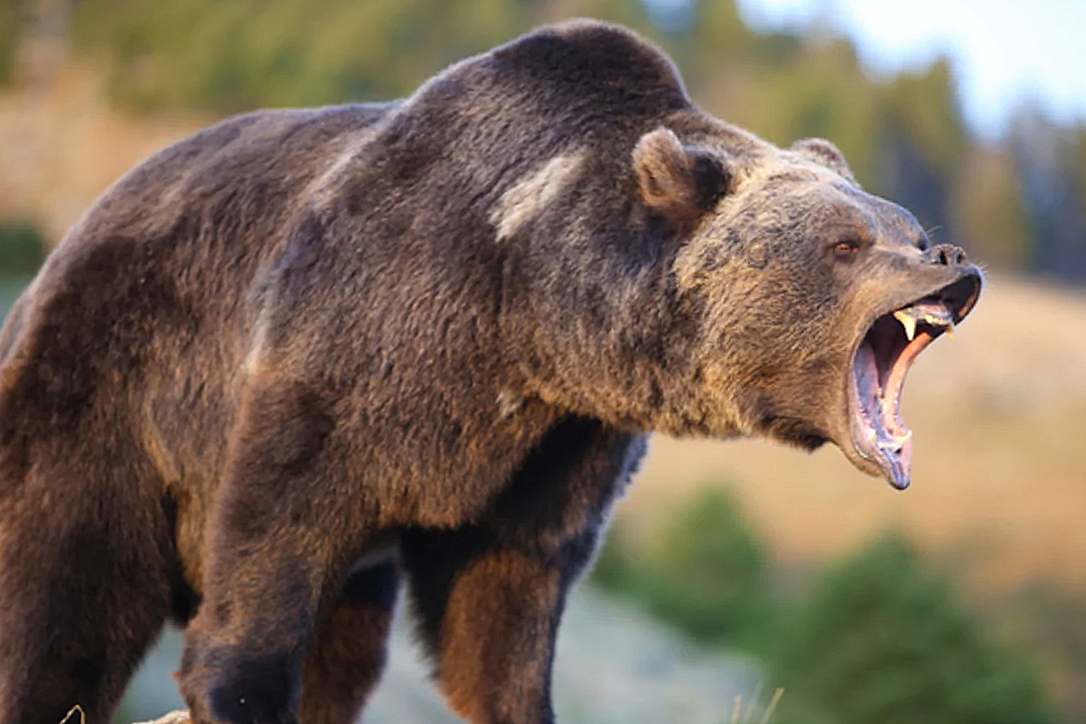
column 1005, row 52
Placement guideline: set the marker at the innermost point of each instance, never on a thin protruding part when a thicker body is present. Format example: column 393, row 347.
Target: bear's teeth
column 908, row 322
column 896, row 442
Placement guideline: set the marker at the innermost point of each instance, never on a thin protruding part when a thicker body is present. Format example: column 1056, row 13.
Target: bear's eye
column 846, row 250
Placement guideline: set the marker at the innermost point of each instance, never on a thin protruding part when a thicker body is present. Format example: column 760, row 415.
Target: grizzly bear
column 305, row 358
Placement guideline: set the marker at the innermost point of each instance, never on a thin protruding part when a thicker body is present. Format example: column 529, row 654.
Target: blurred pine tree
column 883, row 638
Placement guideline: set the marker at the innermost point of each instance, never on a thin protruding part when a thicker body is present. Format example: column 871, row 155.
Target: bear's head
column 809, row 298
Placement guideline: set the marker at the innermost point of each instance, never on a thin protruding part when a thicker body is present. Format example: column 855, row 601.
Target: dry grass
column 745, row 714
column 75, row 711
column 999, row 415
column 174, row 717
column 62, row 144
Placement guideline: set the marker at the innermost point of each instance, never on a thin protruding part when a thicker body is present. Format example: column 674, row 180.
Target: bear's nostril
column 945, row 255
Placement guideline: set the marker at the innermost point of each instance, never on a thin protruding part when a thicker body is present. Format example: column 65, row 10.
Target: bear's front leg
column 282, row 539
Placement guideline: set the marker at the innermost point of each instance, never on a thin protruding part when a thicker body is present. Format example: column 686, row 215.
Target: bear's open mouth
column 880, row 364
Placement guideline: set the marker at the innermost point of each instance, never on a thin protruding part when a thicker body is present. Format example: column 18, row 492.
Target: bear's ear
column 825, row 153
column 679, row 182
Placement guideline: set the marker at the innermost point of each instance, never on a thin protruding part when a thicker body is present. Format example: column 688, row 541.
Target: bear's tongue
column 879, row 368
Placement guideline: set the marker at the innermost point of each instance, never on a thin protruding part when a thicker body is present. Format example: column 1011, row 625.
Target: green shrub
column 22, row 249
column 11, row 17
column 881, row 638
column 707, row 575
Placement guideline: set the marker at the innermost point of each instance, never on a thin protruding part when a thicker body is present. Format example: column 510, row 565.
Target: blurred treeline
column 1017, row 203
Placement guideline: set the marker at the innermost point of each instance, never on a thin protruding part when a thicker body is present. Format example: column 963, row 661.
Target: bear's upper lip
column 879, row 366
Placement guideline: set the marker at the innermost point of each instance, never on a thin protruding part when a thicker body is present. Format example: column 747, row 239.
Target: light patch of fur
column 253, row 359
column 534, row 192
column 324, row 186
column 509, row 403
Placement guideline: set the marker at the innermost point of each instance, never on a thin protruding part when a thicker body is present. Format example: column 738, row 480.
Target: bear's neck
column 595, row 324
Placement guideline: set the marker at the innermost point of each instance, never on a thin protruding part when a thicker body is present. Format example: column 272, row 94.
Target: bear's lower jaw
column 877, row 378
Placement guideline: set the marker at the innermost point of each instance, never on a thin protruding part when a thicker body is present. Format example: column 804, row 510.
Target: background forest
column 1018, row 203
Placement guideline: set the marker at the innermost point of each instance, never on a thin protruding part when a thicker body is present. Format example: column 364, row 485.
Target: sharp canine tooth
column 902, row 439
column 950, row 330
column 908, row 322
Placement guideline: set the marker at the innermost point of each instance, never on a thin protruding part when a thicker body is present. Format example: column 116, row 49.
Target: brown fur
column 300, row 342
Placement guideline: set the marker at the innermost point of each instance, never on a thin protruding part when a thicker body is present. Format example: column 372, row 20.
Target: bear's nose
column 945, row 255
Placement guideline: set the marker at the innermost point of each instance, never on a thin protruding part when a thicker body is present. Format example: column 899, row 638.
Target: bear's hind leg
column 348, row 654
column 83, row 593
